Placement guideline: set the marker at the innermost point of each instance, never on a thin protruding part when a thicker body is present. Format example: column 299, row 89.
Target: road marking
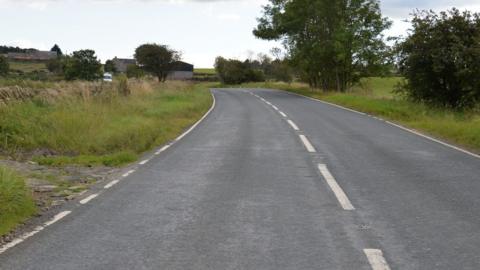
column 144, row 162
column 433, row 139
column 376, row 259
column 57, row 217
column 162, row 149
column 294, row 126
column 89, row 198
column 37, row 229
column 128, row 173
column 282, row 113
column 393, row 124
column 337, row 190
column 275, row 107
column 307, row 144
column 198, row 122
column 111, row 184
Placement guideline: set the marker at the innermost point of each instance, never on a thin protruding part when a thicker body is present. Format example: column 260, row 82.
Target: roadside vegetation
column 97, row 123
column 16, row 202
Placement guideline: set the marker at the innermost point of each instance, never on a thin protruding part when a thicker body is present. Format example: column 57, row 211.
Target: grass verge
column 376, row 97
column 16, row 203
column 106, row 128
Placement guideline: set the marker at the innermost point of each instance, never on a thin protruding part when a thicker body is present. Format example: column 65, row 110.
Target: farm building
column 121, row 64
column 32, row 56
column 181, row 71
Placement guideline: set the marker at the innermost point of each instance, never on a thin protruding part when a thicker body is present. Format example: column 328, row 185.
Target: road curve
column 270, row 180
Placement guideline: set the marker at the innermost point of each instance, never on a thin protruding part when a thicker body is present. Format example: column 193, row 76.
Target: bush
column 232, row 71
column 83, row 65
column 441, row 59
column 55, row 65
column 4, row 65
column 134, row 71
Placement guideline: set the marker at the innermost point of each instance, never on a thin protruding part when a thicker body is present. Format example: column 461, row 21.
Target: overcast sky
column 200, row 29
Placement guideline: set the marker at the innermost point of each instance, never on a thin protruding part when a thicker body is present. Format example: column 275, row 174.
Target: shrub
column 134, row 71
column 232, row 71
column 83, row 65
column 441, row 59
column 4, row 65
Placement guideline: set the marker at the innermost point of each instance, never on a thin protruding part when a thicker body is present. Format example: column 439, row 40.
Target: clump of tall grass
column 16, row 203
column 94, row 120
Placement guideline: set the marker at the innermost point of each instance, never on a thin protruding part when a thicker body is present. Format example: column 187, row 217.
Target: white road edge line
column 282, row 113
column 307, row 144
column 199, row 121
column 89, row 198
column 393, row 124
column 37, row 229
column 65, row 213
column 144, row 162
column 294, row 126
column 128, row 173
column 162, row 149
column 376, row 259
column 111, row 184
column 337, row 190
column 275, row 107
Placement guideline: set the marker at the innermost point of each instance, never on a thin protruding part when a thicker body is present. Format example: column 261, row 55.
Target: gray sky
column 200, row 29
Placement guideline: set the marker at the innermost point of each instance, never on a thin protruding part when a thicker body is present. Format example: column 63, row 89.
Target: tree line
column 157, row 60
column 332, row 44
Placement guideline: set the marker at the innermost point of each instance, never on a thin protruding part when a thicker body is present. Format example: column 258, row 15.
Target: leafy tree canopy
column 156, row 59
column 83, row 65
column 57, row 49
column 333, row 43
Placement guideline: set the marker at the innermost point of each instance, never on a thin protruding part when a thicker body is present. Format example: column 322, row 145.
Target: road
column 280, row 183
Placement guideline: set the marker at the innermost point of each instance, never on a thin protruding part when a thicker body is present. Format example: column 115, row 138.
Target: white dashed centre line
column 376, row 259
column 111, row 184
column 89, row 198
column 337, row 190
column 275, row 107
column 282, row 113
column 294, row 126
column 307, row 144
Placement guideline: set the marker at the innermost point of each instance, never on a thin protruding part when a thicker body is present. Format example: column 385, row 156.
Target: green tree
column 4, row 66
column 441, row 59
column 83, row 65
column 57, row 49
column 156, row 59
column 134, row 71
column 231, row 71
column 110, row 66
column 333, row 43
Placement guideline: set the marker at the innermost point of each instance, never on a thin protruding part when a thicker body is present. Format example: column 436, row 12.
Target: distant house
column 181, row 71
column 121, row 64
column 32, row 56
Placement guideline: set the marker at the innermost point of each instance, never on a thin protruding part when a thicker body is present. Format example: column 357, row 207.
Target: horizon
column 201, row 30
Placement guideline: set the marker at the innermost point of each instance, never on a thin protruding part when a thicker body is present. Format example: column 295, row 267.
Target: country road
column 271, row 180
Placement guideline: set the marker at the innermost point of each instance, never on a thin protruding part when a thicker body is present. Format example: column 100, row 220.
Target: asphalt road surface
column 280, row 183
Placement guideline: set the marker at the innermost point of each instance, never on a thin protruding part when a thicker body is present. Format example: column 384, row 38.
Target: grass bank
column 375, row 96
column 16, row 203
column 93, row 123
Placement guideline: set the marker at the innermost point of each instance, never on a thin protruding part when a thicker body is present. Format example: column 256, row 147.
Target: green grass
column 377, row 98
column 27, row 66
column 109, row 130
column 205, row 71
column 16, row 203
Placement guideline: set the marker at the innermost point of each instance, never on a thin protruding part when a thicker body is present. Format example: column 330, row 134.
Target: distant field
column 205, row 70
column 27, row 66
column 376, row 97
